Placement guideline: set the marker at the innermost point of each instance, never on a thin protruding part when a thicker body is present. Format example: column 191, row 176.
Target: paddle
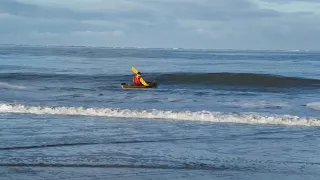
column 134, row 70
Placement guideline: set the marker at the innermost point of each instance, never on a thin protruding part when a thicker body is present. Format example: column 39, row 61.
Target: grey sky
column 227, row 24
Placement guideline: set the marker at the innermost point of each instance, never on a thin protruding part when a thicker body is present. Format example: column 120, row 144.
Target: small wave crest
column 11, row 86
column 314, row 105
column 263, row 104
column 206, row 116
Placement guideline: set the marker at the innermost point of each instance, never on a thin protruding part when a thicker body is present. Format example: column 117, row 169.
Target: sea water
column 226, row 114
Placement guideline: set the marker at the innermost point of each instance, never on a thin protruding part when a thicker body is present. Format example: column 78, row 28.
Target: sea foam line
column 206, row 116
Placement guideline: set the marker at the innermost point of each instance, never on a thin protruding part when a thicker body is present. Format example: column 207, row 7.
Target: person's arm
column 143, row 82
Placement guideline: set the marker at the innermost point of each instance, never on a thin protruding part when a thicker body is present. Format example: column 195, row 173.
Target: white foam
column 314, row 105
column 171, row 115
column 11, row 86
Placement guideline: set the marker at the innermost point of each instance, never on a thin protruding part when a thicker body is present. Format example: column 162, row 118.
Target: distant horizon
column 165, row 48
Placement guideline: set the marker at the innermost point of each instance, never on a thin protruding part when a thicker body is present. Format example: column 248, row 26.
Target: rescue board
column 152, row 84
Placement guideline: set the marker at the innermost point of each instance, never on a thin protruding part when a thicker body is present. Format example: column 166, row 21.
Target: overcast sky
column 218, row 24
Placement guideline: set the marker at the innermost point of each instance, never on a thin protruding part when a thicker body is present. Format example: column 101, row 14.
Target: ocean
column 216, row 114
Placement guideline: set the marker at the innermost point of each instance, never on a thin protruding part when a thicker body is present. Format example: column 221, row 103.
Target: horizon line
column 166, row 48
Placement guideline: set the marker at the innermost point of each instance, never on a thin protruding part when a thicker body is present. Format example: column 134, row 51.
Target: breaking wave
column 205, row 116
column 314, row 105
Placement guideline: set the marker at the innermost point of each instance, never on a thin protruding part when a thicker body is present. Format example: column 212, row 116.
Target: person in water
column 138, row 80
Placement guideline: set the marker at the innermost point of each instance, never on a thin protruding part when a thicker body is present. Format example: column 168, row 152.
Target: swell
column 215, row 79
column 205, row 116
column 247, row 79
column 215, row 165
column 92, row 143
column 58, row 76
column 44, row 146
column 185, row 166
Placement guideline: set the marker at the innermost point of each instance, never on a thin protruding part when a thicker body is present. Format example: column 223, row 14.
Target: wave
column 234, row 164
column 178, row 166
column 127, row 166
column 206, row 116
column 216, row 164
column 246, row 79
column 44, row 146
column 314, row 105
column 262, row 104
column 11, row 86
column 233, row 79
column 93, row 143
column 63, row 77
